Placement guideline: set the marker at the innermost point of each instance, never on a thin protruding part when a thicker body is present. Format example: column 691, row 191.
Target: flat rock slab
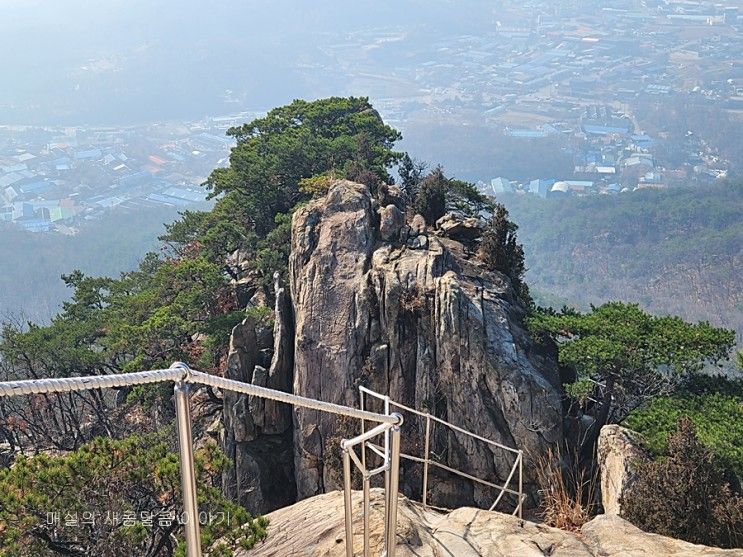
column 315, row 528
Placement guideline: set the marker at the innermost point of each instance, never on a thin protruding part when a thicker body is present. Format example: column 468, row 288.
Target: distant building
column 559, row 189
column 501, row 185
column 89, row 154
column 541, row 187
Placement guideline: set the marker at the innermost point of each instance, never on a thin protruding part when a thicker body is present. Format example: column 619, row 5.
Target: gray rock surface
column 257, row 434
column 619, row 452
column 391, row 220
column 315, row 527
column 458, row 228
column 431, row 328
column 418, row 224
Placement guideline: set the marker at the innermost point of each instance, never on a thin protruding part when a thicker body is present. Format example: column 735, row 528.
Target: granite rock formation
column 619, row 453
column 428, row 326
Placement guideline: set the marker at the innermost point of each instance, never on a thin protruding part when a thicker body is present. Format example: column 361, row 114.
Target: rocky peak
column 419, row 321
column 409, row 312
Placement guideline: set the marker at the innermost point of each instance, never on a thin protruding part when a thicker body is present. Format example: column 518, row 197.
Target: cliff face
column 416, row 318
column 412, row 315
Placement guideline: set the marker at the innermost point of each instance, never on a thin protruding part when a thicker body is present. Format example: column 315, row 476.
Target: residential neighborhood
column 55, row 179
column 635, row 93
column 623, row 94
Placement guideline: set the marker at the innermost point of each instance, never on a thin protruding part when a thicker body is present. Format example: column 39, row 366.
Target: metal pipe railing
column 183, row 377
column 188, row 473
column 391, row 469
column 426, row 458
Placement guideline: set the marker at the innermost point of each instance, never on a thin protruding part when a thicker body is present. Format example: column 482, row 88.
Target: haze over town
column 122, row 107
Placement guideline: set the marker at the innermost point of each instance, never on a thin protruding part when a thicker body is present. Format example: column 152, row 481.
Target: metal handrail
column 183, row 376
column 518, row 464
column 391, row 469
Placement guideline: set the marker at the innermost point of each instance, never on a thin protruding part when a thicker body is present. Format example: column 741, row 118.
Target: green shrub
column 686, row 494
column 114, row 497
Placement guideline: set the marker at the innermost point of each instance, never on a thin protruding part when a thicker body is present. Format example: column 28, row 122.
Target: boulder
column 459, row 228
column 391, row 220
column 619, row 452
column 432, row 329
column 418, row 242
column 418, row 225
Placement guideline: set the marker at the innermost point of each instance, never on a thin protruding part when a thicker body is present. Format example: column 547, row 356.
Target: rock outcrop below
column 257, row 434
column 619, row 452
column 430, row 327
column 315, row 527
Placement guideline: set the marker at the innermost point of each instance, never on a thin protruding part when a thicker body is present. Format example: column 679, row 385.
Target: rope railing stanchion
column 347, row 500
column 188, row 473
column 521, row 485
column 367, row 504
column 426, row 451
column 392, row 495
column 505, row 485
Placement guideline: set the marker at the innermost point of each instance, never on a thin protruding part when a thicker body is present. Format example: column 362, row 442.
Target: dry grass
column 568, row 493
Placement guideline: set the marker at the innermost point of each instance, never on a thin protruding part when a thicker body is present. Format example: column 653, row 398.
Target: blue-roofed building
column 10, row 179
column 89, row 154
column 111, row 201
column 167, row 200
column 642, row 140
column 192, row 196
column 527, row 134
column 135, row 179
column 541, row 187
column 34, row 187
column 591, row 129
column 35, row 225
column 13, row 168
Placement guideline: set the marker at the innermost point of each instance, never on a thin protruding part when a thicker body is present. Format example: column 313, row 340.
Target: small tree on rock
column 500, row 250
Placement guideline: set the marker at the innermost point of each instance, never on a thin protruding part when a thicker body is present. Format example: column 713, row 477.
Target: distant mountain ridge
column 677, row 251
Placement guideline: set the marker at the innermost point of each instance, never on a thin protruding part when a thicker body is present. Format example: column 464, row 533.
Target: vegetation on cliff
column 714, row 404
column 183, row 303
column 621, row 357
column 687, row 494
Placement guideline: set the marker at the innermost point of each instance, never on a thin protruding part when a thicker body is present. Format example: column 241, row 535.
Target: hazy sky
column 126, row 61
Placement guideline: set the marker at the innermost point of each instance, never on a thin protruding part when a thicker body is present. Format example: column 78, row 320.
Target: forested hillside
column 677, row 251
column 310, row 273
column 32, row 263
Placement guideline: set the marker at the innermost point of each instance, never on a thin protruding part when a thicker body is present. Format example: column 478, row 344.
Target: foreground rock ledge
column 314, row 527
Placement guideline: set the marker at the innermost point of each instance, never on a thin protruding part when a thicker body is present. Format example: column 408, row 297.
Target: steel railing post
column 366, row 513
column 363, row 429
column 521, row 484
column 347, row 501
column 394, row 483
column 425, row 461
column 188, row 473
